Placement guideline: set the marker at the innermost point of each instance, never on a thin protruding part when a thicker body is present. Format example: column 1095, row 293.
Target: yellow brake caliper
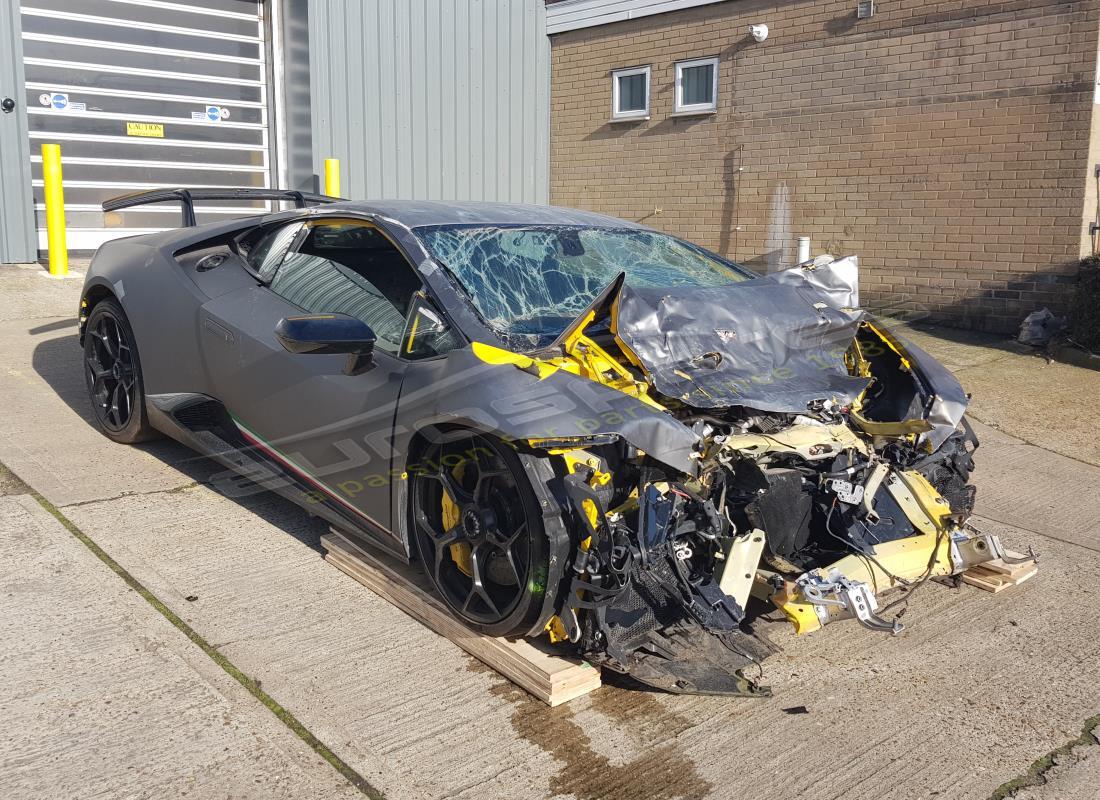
column 460, row 551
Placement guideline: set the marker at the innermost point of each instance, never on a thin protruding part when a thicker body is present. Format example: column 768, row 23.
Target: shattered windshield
column 530, row 282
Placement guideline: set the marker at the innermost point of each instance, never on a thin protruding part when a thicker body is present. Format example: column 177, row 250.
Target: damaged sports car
column 583, row 428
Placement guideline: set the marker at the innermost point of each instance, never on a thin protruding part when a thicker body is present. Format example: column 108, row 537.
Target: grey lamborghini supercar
column 584, row 428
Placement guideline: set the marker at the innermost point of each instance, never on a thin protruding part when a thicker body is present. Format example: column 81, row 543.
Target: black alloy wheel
column 112, row 373
column 479, row 533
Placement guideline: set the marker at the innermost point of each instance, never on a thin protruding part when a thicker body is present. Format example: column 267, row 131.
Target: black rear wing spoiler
column 186, row 197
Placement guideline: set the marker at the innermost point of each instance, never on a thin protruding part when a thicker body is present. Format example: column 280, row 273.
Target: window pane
column 632, row 92
column 351, row 269
column 428, row 335
column 697, row 84
column 267, row 254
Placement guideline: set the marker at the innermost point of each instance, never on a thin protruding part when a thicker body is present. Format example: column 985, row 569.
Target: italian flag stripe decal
column 253, row 439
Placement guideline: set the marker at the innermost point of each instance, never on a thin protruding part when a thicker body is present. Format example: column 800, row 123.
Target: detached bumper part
column 664, row 640
column 685, row 659
column 650, row 613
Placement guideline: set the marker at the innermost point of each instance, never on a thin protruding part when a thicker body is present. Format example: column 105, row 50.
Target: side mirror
column 328, row 334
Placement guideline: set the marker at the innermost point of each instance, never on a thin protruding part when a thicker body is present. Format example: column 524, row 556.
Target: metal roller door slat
column 195, row 16
column 175, row 98
column 131, row 72
column 120, row 22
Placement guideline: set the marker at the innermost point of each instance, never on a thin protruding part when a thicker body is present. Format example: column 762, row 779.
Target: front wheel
column 479, row 533
column 112, row 373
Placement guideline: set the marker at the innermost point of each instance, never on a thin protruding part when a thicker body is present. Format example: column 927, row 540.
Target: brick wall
column 945, row 143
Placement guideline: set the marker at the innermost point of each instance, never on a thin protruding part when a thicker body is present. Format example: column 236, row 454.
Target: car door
column 330, row 428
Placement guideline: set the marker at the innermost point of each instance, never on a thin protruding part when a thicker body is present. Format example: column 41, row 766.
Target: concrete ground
column 1072, row 776
column 105, row 696
column 1055, row 406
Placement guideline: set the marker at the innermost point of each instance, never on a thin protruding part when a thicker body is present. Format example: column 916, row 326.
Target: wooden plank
column 996, row 565
column 996, row 576
column 552, row 677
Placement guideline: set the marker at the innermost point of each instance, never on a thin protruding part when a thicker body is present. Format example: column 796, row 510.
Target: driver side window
column 350, row 267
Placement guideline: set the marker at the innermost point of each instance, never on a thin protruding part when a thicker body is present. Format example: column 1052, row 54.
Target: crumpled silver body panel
column 775, row 343
column 757, row 343
column 838, row 280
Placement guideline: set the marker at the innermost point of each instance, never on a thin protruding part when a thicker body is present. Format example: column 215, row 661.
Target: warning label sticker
column 153, row 129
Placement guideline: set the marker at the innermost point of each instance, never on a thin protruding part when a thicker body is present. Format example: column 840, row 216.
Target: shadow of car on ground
column 59, row 362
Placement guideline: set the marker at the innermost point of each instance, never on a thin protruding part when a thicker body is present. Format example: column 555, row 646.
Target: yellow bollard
column 332, row 177
column 55, row 210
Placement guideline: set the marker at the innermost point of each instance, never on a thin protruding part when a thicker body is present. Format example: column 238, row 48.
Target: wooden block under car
column 996, row 575
column 551, row 677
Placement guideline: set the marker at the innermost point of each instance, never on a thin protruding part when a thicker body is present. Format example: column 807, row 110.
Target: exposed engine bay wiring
column 818, row 505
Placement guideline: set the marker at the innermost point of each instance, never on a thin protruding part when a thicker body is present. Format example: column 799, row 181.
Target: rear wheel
column 479, row 532
column 112, row 373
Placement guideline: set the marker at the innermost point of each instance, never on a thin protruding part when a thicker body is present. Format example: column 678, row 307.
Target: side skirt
column 203, row 424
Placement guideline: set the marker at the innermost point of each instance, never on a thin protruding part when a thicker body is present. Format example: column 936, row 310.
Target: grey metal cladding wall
column 17, row 234
column 432, row 99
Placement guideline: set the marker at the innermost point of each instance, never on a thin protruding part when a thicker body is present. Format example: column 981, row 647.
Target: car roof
column 409, row 214
column 420, row 213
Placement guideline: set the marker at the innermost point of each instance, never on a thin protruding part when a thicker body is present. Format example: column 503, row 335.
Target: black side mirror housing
column 329, row 334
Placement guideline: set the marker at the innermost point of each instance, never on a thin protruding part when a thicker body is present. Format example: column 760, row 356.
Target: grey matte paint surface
column 951, row 400
column 430, row 100
column 217, row 338
column 18, row 241
column 778, row 338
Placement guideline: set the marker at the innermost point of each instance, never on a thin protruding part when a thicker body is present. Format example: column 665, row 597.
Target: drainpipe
column 803, row 249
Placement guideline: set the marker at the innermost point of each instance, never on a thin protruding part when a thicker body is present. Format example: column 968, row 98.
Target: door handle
column 8, row 105
column 222, row 333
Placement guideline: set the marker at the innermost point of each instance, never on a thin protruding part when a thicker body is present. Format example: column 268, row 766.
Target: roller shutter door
column 143, row 94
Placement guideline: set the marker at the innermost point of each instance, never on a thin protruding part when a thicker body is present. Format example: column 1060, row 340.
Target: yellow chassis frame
column 927, row 553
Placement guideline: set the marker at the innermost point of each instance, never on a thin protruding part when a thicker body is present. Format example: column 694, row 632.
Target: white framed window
column 697, row 86
column 630, row 93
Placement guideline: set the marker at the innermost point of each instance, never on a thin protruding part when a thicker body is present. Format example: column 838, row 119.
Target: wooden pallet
column 549, row 676
column 996, row 576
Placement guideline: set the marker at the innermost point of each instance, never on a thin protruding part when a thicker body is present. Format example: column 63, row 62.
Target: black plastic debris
column 1040, row 327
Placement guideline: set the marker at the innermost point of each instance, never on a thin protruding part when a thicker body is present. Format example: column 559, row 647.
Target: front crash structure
column 828, row 476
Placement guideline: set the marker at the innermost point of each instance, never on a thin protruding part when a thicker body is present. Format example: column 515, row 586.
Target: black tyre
column 479, row 532
column 112, row 372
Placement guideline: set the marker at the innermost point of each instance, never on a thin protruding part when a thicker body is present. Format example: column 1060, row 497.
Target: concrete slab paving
column 9, row 483
column 104, row 698
column 976, row 688
column 1031, row 489
column 31, row 293
column 48, row 415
